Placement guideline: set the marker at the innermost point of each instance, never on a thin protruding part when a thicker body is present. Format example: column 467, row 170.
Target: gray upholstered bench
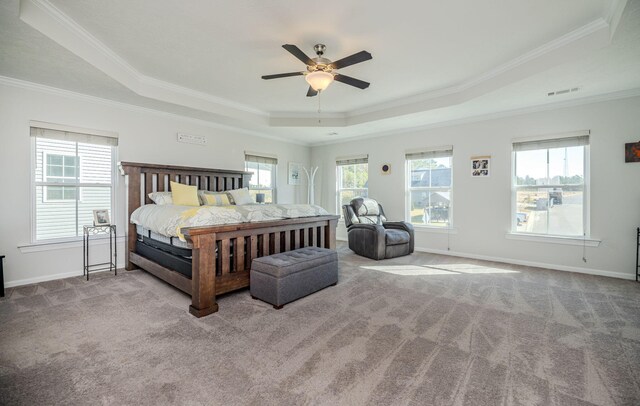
column 282, row 278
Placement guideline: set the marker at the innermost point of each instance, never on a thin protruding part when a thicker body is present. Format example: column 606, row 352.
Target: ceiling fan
column 320, row 70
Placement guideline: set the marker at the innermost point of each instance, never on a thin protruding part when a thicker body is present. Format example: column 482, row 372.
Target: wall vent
column 192, row 139
column 563, row 91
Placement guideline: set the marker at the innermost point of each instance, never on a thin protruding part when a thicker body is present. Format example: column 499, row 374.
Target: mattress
column 168, row 220
column 173, row 241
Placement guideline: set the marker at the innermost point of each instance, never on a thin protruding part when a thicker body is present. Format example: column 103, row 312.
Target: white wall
column 144, row 136
column 481, row 206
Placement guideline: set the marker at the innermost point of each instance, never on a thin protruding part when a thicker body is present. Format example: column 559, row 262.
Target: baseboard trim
column 45, row 278
column 555, row 267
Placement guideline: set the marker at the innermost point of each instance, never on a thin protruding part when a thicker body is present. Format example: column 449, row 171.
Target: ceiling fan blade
column 311, row 92
column 348, row 80
column 351, row 60
column 295, row 51
column 282, row 75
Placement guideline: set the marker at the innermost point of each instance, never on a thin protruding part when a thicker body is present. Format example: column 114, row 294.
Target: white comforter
column 169, row 219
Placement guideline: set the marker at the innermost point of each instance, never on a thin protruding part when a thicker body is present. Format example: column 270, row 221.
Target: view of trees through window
column 352, row 182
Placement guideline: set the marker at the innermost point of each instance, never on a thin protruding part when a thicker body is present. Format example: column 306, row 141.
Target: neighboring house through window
column 352, row 178
column 429, row 187
column 263, row 179
column 72, row 175
column 61, row 168
column 549, row 188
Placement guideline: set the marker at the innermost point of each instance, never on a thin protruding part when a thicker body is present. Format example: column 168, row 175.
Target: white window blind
column 73, row 175
column 261, row 159
column 430, row 154
column 553, row 143
column 352, row 160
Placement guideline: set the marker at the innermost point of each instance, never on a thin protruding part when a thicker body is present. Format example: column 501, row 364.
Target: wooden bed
column 236, row 244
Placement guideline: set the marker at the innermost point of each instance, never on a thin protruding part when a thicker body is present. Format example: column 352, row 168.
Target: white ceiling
column 433, row 61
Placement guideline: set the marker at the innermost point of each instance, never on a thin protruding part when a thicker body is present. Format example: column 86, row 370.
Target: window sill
column 554, row 239
column 437, row 230
column 425, row 229
column 51, row 246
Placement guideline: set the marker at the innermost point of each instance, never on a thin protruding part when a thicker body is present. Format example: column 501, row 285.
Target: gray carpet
column 419, row 330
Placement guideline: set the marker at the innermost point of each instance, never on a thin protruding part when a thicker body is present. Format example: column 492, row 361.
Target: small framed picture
column 101, row 217
column 295, row 173
column 480, row 166
column 632, row 152
column 385, row 169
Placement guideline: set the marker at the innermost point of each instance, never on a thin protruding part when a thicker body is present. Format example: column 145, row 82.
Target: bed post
column 132, row 181
column 203, row 274
column 330, row 234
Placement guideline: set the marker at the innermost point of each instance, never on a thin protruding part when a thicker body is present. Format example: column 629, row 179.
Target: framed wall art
column 295, row 173
column 632, row 152
column 480, row 166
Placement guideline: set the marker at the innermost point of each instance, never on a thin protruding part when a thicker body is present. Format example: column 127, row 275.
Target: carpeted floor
column 418, row 330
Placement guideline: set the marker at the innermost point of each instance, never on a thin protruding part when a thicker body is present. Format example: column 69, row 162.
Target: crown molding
column 581, row 41
column 49, row 20
column 37, row 87
column 43, row 16
column 624, row 94
column 614, row 14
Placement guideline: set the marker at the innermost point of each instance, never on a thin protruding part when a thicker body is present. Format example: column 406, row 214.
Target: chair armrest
column 377, row 228
column 367, row 240
column 403, row 225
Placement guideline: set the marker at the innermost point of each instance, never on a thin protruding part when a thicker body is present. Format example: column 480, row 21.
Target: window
column 73, row 175
column 549, row 181
column 352, row 177
column 60, row 169
column 429, row 186
column 263, row 179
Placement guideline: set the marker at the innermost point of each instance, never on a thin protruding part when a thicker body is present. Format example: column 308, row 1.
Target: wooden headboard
column 145, row 178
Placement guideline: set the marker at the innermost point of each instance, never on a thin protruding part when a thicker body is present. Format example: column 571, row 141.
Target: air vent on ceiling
column 563, row 91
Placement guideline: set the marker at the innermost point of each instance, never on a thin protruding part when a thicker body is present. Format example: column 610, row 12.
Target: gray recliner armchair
column 371, row 235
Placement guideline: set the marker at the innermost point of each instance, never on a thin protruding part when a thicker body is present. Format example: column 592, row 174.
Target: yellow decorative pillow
column 216, row 199
column 184, row 195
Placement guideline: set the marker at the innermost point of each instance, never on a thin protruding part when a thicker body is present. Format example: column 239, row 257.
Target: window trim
column 408, row 189
column 114, row 185
column 586, row 198
column 257, row 158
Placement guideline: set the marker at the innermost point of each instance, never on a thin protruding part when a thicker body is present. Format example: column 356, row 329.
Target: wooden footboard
column 221, row 255
column 213, row 276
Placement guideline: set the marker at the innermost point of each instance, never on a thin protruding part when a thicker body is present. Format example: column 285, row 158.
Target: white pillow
column 161, row 198
column 241, row 196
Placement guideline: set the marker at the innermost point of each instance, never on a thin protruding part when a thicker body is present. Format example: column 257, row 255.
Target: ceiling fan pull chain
column 319, row 108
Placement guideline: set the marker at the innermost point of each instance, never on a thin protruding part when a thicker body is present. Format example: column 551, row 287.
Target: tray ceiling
column 433, row 61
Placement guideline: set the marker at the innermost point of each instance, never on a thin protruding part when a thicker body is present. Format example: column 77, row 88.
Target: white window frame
column 58, row 128
column 438, row 152
column 348, row 161
column 586, row 198
column 266, row 160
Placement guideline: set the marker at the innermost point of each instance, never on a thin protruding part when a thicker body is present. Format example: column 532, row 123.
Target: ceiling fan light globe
column 319, row 80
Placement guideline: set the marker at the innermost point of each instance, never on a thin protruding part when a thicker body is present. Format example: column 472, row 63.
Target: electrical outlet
column 192, row 139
